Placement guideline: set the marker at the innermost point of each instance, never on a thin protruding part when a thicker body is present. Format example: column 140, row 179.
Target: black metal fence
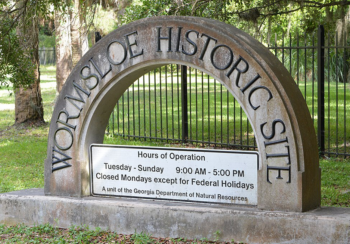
column 47, row 56
column 177, row 104
column 181, row 105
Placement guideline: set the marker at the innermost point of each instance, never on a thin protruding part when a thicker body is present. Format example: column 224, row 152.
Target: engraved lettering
column 63, row 148
column 132, row 55
column 99, row 70
column 206, row 44
column 71, row 99
column 250, row 83
column 235, row 67
column 280, row 155
column 213, row 53
column 279, row 169
column 273, row 129
column 65, row 122
column 164, row 38
column 253, row 90
column 109, row 53
column 56, row 160
column 191, row 42
column 178, row 39
column 89, row 76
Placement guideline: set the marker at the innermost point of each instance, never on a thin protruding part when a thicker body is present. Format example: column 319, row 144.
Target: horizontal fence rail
column 153, row 109
column 175, row 104
column 47, row 56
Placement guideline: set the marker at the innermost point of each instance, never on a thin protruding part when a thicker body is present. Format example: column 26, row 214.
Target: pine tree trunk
column 28, row 101
column 75, row 33
column 63, row 49
column 83, row 36
column 342, row 28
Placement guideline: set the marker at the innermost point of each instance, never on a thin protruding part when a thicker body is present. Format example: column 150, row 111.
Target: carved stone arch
column 288, row 175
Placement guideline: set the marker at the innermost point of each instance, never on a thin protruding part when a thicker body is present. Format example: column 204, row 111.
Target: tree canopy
column 262, row 16
column 16, row 67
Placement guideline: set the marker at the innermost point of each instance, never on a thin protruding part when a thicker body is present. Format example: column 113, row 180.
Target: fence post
column 54, row 55
column 184, row 103
column 320, row 89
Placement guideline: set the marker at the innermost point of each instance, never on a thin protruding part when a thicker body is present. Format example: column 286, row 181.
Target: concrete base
column 177, row 219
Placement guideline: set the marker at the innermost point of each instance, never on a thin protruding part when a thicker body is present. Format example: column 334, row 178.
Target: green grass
column 151, row 107
column 80, row 234
column 23, row 151
column 335, row 183
column 26, row 169
column 337, row 111
column 47, row 73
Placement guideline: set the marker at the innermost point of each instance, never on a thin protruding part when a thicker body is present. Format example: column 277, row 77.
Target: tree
column 19, row 22
column 253, row 16
column 63, row 47
column 28, row 101
column 73, row 26
column 15, row 69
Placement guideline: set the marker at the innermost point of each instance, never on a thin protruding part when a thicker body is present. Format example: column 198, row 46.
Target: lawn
column 23, row 151
column 26, row 169
column 151, row 108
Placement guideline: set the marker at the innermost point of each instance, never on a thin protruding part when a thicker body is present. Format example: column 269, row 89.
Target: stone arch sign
column 288, row 174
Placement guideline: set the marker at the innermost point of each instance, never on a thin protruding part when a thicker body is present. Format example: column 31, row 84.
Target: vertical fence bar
column 313, row 80
column 189, row 89
column 221, row 111
column 160, row 102
column 345, row 81
column 208, row 80
column 166, row 103
column 336, row 92
column 202, row 106
column 283, row 49
column 133, row 110
column 196, row 104
column 155, row 103
column 128, row 109
column 118, row 111
column 297, row 71
column 320, row 100
column 290, row 53
column 123, row 113
column 138, row 107
column 172, row 101
column 149, row 105
column 178, row 102
column 144, row 108
column 184, row 103
column 228, row 117
column 305, row 66
column 214, row 111
column 329, row 96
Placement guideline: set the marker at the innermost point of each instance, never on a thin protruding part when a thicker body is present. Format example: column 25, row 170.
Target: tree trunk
column 75, row 33
column 342, row 28
column 63, row 48
column 83, row 35
column 28, row 101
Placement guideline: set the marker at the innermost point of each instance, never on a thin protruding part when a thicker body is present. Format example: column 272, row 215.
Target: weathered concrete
column 288, row 175
column 177, row 219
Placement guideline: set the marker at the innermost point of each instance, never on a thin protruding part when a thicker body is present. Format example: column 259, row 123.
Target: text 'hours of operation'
column 215, row 176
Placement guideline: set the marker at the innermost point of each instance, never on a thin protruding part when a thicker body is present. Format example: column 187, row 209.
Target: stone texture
column 264, row 89
column 177, row 219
